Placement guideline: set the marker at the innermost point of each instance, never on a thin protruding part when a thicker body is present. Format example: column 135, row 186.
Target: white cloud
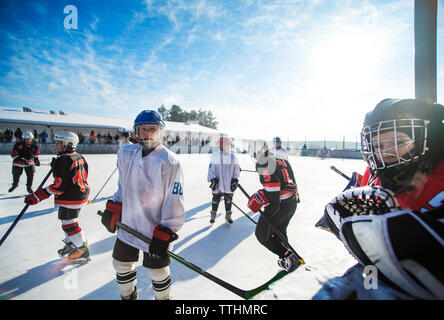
column 263, row 70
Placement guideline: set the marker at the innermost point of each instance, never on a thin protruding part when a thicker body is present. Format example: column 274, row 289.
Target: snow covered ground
column 31, row 269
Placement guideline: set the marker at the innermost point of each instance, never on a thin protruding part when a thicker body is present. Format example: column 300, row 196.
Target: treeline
column 175, row 113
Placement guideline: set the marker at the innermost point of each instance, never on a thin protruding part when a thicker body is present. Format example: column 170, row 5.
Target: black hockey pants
column 17, row 172
column 216, row 199
column 265, row 234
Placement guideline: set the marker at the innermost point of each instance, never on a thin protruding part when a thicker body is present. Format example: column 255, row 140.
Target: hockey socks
column 126, row 276
column 73, row 232
column 161, row 280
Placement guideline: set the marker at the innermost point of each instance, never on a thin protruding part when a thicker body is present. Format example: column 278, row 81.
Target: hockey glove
column 355, row 202
column 257, row 201
column 213, row 184
column 162, row 236
column 111, row 215
column 400, row 248
column 35, row 197
column 233, row 185
column 37, row 161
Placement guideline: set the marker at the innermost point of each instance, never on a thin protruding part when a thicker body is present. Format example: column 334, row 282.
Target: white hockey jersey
column 123, row 143
column 151, row 191
column 224, row 167
column 280, row 153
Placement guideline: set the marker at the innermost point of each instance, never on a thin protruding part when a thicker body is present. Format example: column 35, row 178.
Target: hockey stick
column 91, row 201
column 340, row 172
column 247, row 170
column 245, row 294
column 278, row 233
column 23, row 211
column 231, row 201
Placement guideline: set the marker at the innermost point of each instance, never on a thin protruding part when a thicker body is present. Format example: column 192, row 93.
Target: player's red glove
column 111, row 215
column 162, row 236
column 257, row 201
column 36, row 197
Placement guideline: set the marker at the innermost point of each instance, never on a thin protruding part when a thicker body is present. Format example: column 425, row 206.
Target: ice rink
column 30, row 267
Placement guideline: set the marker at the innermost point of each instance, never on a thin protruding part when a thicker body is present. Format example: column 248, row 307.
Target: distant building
column 181, row 134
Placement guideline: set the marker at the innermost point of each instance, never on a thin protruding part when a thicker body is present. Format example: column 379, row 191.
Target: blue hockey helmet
column 277, row 139
column 149, row 117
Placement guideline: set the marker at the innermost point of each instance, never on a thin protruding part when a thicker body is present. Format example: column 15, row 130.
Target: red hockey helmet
column 225, row 141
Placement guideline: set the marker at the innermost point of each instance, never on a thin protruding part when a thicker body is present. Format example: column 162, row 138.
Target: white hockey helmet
column 27, row 135
column 69, row 140
column 258, row 149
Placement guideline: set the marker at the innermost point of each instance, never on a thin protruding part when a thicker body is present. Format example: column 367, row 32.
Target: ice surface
column 31, row 269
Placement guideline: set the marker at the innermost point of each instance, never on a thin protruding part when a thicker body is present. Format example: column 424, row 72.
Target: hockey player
column 25, row 155
column 402, row 146
column 71, row 190
column 280, row 198
column 405, row 152
column 278, row 150
column 223, row 175
column 149, row 199
column 124, row 139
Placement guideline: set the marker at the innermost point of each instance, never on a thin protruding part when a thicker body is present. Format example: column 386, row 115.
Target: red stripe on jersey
column 281, row 162
column 272, row 184
column 67, row 202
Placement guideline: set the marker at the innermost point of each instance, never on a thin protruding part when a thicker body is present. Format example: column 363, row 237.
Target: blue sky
column 293, row 69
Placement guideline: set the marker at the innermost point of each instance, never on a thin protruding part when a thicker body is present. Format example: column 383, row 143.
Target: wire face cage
column 391, row 143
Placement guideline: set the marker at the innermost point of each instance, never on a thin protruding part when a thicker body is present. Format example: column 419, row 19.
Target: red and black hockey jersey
column 70, row 186
column 428, row 194
column 23, row 155
column 276, row 175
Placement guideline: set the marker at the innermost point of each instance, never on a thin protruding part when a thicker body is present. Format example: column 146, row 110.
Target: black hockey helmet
column 417, row 127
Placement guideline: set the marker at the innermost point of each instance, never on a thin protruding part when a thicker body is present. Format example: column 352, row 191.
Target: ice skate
column 133, row 296
column 213, row 216
column 69, row 247
column 289, row 263
column 78, row 255
column 14, row 186
column 228, row 217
